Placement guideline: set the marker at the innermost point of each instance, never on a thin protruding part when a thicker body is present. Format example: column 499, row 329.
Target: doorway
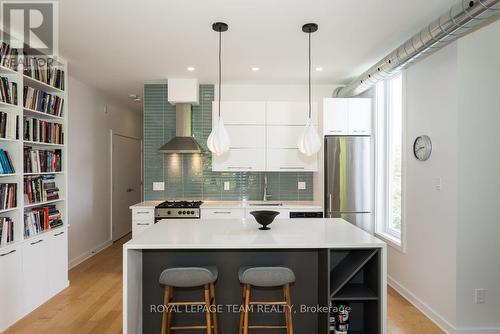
column 126, row 182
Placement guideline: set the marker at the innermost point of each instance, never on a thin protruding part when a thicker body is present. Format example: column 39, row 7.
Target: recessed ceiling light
column 255, row 69
column 319, row 69
column 190, row 68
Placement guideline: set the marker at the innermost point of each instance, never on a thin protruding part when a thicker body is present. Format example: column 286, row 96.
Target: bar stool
column 266, row 277
column 189, row 277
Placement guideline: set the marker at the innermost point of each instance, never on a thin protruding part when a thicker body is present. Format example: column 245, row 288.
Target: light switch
column 301, row 185
column 158, row 186
column 438, row 183
column 227, row 185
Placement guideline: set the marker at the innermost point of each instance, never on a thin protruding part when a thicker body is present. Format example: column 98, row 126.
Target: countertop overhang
column 244, row 234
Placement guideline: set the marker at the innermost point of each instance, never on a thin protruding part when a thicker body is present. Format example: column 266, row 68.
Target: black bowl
column 264, row 218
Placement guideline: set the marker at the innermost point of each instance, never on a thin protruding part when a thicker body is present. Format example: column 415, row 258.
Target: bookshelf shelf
column 8, row 210
column 6, row 70
column 8, row 105
column 42, row 115
column 41, row 85
column 31, row 205
column 43, row 173
column 9, row 175
column 36, row 143
column 9, row 139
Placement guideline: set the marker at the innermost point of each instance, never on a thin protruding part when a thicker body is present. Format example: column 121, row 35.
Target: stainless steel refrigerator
column 348, row 181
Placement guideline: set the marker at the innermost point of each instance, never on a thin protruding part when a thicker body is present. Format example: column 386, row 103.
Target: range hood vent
column 183, row 142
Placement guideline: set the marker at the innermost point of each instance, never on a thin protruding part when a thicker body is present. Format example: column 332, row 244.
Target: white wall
column 89, row 164
column 479, row 177
column 452, row 244
column 428, row 268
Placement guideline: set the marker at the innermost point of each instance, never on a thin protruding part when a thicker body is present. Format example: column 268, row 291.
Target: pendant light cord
column 309, row 75
column 220, row 67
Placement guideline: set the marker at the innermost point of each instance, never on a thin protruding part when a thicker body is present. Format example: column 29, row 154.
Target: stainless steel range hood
column 183, row 142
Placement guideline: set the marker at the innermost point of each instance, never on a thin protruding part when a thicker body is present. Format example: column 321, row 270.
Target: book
column 8, row 125
column 6, row 230
column 8, row 91
column 8, row 195
column 42, row 161
column 40, row 189
column 37, row 130
column 6, row 166
column 44, row 69
column 38, row 100
column 9, row 57
column 41, row 219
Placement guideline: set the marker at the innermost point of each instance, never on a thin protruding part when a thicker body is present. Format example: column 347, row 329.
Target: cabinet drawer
column 222, row 213
column 143, row 215
column 236, row 160
column 287, row 160
column 139, row 227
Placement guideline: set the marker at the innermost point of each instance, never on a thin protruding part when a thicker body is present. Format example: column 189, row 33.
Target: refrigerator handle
column 329, row 203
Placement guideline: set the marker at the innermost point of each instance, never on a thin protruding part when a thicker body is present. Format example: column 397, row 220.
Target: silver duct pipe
column 456, row 22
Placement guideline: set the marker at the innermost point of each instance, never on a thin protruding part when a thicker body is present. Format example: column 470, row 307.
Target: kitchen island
column 334, row 262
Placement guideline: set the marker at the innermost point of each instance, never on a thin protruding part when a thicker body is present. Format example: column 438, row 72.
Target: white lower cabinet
column 286, row 160
column 142, row 219
column 222, row 213
column 36, row 272
column 11, row 285
column 240, row 160
column 31, row 273
column 58, row 261
column 283, row 213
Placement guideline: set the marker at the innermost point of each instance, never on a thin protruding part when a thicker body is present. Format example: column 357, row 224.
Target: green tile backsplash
column 190, row 176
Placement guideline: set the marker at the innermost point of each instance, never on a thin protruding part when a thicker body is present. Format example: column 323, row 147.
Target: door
column 58, row 264
column 36, row 275
column 335, row 116
column 347, row 175
column 240, row 160
column 126, row 182
column 360, row 116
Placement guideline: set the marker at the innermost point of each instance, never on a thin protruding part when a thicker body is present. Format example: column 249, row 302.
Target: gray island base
column 334, row 263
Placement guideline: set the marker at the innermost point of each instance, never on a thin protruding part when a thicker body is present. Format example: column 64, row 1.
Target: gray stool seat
column 266, row 276
column 189, row 277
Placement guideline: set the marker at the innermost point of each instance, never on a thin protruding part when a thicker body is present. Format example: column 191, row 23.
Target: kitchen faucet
column 265, row 195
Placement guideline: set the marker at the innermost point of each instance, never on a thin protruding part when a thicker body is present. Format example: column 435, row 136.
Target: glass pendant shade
column 218, row 142
column 309, row 142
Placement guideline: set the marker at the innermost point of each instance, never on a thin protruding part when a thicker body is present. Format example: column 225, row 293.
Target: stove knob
column 168, row 212
column 184, row 212
column 179, row 212
column 192, row 212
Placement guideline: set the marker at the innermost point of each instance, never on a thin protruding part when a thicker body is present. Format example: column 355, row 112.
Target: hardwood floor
column 93, row 303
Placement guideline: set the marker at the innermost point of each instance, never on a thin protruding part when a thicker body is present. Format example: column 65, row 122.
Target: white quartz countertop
column 241, row 204
column 244, row 234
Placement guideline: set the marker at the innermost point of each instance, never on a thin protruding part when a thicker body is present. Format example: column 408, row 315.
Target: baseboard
column 421, row 306
column 435, row 317
column 87, row 255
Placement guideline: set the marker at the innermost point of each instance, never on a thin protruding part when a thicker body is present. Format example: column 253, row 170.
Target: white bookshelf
column 45, row 255
column 15, row 148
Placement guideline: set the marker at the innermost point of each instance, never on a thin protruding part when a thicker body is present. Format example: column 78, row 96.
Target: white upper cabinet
column 290, row 160
column 290, row 113
column 236, row 160
column 360, row 116
column 347, row 116
column 240, row 113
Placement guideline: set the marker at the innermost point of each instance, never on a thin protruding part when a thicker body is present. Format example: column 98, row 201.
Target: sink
column 266, row 204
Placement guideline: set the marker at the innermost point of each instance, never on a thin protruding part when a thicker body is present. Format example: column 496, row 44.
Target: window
column 390, row 159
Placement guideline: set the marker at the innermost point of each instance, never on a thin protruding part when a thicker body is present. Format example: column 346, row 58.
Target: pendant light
column 309, row 142
column 218, row 140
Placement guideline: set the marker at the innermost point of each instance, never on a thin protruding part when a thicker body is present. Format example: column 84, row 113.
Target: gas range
column 178, row 210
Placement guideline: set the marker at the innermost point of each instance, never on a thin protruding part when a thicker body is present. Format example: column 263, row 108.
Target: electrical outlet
column 158, row 186
column 227, row 185
column 480, row 296
column 301, row 185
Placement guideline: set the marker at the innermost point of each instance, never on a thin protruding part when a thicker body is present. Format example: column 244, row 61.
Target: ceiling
column 118, row 45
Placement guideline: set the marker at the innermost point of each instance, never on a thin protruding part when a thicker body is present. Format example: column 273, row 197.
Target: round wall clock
column 422, row 148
